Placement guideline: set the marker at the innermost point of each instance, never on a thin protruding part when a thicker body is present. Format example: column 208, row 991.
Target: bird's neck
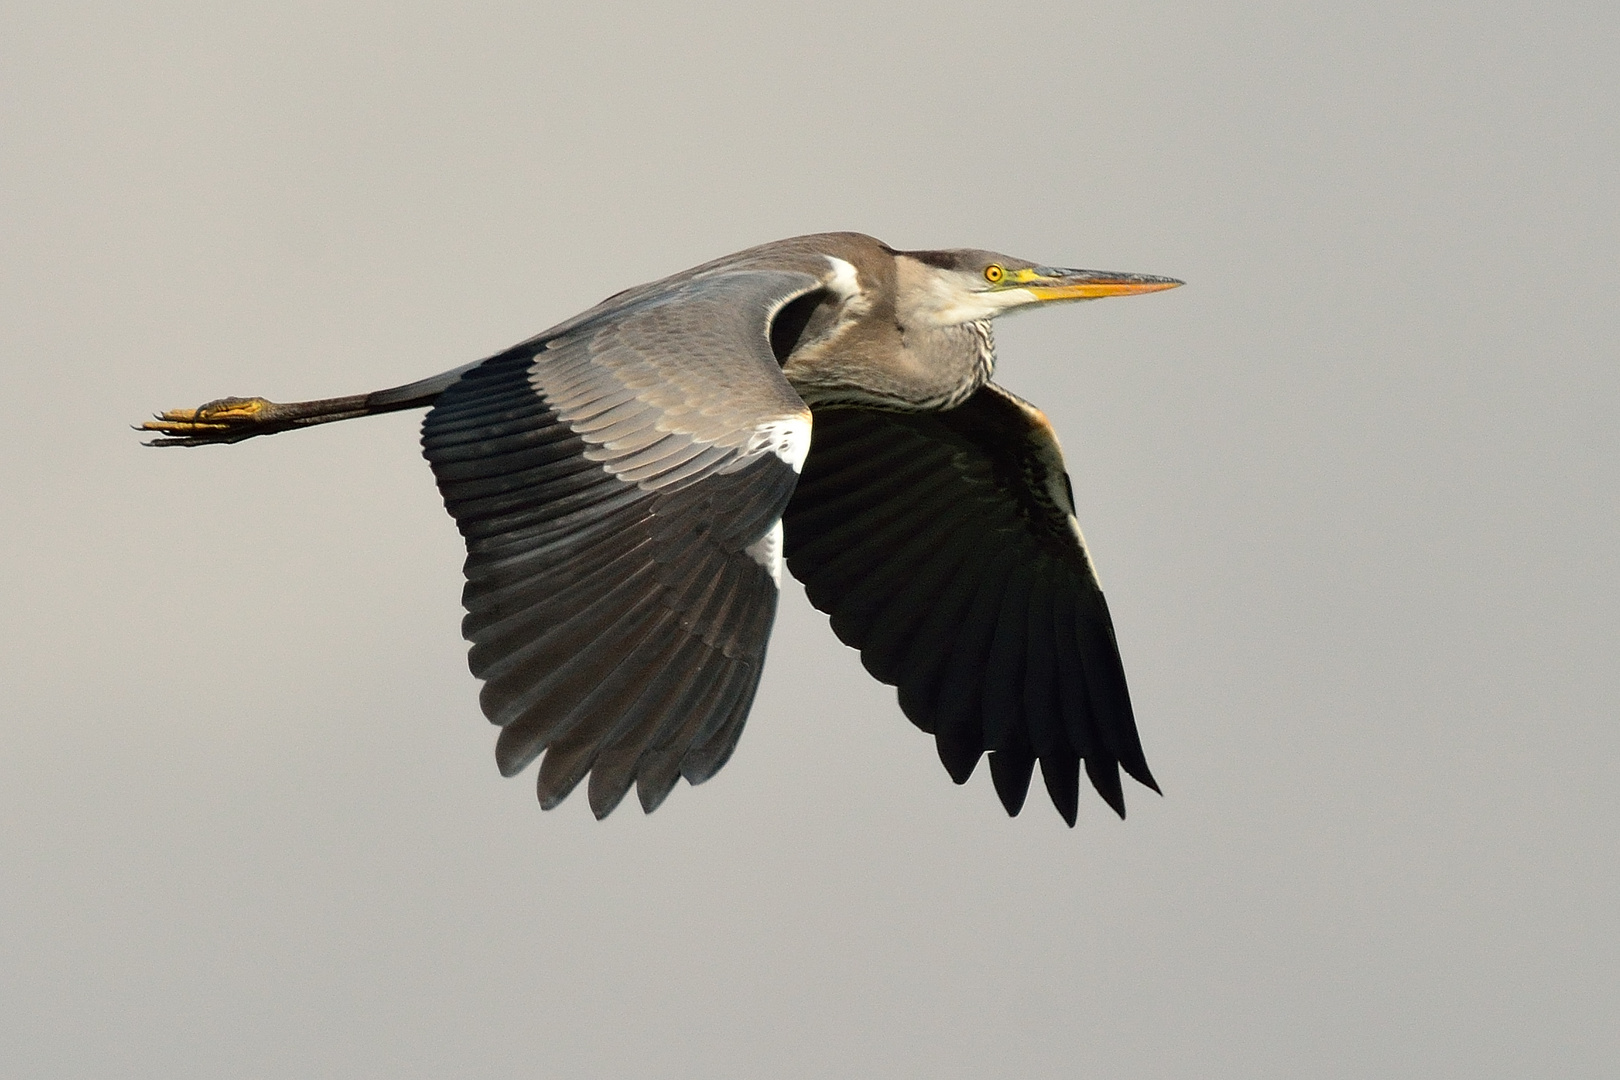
column 962, row 358
column 881, row 363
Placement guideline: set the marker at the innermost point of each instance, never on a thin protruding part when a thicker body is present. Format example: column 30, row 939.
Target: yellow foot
column 226, row 420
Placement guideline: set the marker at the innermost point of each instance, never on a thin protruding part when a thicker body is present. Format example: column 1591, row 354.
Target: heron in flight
column 630, row 482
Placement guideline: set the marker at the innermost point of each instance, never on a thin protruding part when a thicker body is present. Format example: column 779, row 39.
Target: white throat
column 935, row 300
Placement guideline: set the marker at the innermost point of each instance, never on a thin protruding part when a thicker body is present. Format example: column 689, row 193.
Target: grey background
column 1352, row 493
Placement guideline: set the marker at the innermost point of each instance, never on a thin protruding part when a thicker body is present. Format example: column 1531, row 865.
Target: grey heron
column 630, row 482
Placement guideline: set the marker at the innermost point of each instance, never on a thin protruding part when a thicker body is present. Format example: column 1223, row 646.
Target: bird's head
column 964, row 285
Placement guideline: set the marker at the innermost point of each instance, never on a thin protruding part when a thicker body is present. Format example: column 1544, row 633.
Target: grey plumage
column 627, row 483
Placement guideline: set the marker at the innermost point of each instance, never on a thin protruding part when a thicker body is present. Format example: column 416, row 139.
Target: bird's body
column 629, row 481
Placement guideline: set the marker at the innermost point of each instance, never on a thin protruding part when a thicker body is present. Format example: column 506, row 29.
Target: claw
column 233, row 419
column 225, row 420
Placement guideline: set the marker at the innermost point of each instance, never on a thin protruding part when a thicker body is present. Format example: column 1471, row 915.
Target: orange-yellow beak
column 1047, row 283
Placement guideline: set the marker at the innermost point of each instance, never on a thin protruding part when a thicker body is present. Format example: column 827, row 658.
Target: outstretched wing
column 620, row 484
column 944, row 546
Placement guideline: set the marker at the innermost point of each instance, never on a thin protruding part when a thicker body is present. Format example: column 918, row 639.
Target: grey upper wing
column 944, row 547
column 620, row 487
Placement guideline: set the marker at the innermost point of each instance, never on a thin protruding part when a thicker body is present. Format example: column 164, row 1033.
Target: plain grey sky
column 1352, row 493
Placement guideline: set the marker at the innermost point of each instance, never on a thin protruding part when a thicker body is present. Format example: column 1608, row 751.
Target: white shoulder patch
column 788, row 438
column 845, row 281
column 767, row 551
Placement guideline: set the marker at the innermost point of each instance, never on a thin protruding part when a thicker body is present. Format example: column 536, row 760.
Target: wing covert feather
column 618, row 483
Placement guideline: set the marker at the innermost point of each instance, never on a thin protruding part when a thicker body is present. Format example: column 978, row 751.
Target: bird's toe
column 223, row 420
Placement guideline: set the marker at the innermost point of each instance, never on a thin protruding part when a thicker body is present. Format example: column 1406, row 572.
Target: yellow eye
column 994, row 273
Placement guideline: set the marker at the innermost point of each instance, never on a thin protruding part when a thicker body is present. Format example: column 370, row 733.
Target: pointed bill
column 1048, row 283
